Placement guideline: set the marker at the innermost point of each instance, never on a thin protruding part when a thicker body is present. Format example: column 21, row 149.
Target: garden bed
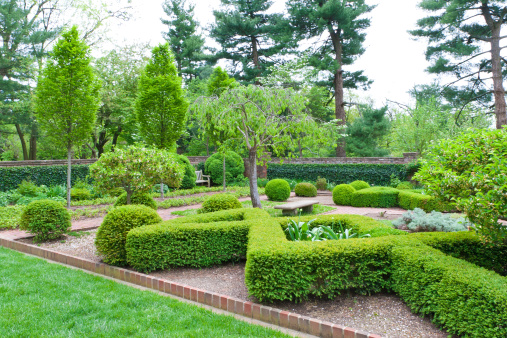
column 384, row 314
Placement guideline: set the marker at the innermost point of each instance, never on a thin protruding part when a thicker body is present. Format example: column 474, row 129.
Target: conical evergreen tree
column 365, row 132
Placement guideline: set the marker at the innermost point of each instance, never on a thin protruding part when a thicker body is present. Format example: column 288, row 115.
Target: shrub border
column 232, row 305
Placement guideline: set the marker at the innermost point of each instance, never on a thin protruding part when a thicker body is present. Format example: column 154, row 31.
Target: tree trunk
column 255, row 59
column 338, row 90
column 223, row 172
column 33, row 143
column 252, row 177
column 22, row 140
column 498, row 89
column 129, row 195
column 300, row 148
column 207, row 146
column 69, row 170
column 115, row 138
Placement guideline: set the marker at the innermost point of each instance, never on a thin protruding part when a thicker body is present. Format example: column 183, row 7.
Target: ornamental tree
column 471, row 171
column 136, row 169
column 261, row 118
column 67, row 96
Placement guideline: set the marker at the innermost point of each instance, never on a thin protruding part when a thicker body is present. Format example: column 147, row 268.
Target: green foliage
column 302, row 231
column 116, row 192
column 305, row 190
column 79, row 194
column 375, row 174
column 365, row 132
column 410, row 200
column 27, row 188
column 417, row 220
column 470, row 170
column 321, row 183
column 161, row 106
column 188, row 181
column 342, row 194
column 112, row 233
column 358, row 185
column 10, row 216
column 234, row 167
column 220, row 202
column 137, row 198
column 45, row 219
column 261, row 182
column 278, row 190
column 405, row 186
column 219, row 82
column 376, row 197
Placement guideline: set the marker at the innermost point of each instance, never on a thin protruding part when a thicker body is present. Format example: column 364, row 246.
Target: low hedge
column 342, row 194
column 305, row 190
column 359, row 185
column 220, row 202
column 410, row 200
column 375, row 174
column 376, row 197
column 136, row 198
column 462, row 298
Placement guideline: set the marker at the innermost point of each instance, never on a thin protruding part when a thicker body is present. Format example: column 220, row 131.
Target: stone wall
column 37, row 163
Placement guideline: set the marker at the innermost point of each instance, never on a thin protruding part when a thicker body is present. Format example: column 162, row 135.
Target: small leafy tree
column 471, row 171
column 136, row 169
column 262, row 118
column 67, row 96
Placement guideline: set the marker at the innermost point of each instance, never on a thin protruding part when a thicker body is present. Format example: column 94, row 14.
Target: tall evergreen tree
column 186, row 43
column 365, row 132
column 250, row 38
column 457, row 31
column 343, row 22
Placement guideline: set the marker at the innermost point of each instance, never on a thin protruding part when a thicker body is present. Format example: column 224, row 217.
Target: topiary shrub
column 321, row 183
column 137, row 198
column 305, row 190
column 79, row 194
column 342, row 194
column 219, row 202
column 411, row 199
column 234, row 167
column 188, row 181
column 405, row 186
column 359, row 185
column 112, row 233
column 376, row 197
column 45, row 219
column 278, row 190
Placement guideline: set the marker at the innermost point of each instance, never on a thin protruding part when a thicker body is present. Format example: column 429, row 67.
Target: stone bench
column 291, row 209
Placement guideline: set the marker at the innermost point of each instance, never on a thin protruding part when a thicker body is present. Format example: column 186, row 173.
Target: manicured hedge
column 374, row 174
column 410, row 200
column 11, row 177
column 376, row 197
column 464, row 299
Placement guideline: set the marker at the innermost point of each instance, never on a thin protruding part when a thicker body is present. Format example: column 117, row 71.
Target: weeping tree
column 261, row 118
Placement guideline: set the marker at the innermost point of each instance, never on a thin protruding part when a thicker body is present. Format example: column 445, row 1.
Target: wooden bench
column 291, row 209
column 202, row 178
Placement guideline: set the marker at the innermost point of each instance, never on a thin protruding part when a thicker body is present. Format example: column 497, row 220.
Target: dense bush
column 112, row 233
column 278, row 190
column 137, row 198
column 219, row 202
column 234, row 167
column 188, row 181
column 375, row 174
column 11, row 177
column 359, row 185
column 116, row 192
column 417, row 220
column 376, row 197
column 405, row 186
column 27, row 188
column 78, row 194
column 321, row 183
column 305, row 190
column 410, row 199
column 342, row 194
column 45, row 219
column 261, row 182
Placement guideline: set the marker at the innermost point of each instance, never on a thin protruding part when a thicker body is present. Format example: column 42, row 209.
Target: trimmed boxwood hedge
column 305, row 190
column 374, row 174
column 376, row 197
column 11, row 177
column 410, row 200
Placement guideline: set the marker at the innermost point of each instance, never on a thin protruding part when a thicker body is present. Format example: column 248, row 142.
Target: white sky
column 392, row 59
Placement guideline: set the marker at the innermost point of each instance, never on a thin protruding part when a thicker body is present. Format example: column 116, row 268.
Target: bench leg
column 289, row 212
column 307, row 209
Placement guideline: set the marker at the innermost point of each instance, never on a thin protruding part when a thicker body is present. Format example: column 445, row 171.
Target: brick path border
column 233, row 305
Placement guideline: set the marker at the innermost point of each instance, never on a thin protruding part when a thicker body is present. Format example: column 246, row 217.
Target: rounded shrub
column 116, row 192
column 27, row 188
column 136, row 198
column 112, row 233
column 405, row 186
column 342, row 194
column 234, row 167
column 219, row 202
column 45, row 219
column 188, row 181
column 358, row 185
column 278, row 190
column 79, row 194
column 305, row 190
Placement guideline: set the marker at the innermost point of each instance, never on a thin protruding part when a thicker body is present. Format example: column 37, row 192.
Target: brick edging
column 233, row 305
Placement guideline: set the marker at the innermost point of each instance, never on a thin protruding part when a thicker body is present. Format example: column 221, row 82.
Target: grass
column 40, row 299
column 267, row 205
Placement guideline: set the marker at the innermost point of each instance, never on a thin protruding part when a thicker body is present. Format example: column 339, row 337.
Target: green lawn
column 267, row 205
column 41, row 299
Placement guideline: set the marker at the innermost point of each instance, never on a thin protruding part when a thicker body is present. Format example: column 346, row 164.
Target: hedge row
column 11, row 177
column 374, row 174
column 409, row 200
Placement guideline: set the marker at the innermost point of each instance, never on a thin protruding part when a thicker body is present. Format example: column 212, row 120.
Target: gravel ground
column 383, row 314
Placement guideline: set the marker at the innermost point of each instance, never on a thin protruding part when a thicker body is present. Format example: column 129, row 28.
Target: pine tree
column 343, row 22
column 365, row 132
column 250, row 38
column 456, row 31
column 67, row 96
column 185, row 42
